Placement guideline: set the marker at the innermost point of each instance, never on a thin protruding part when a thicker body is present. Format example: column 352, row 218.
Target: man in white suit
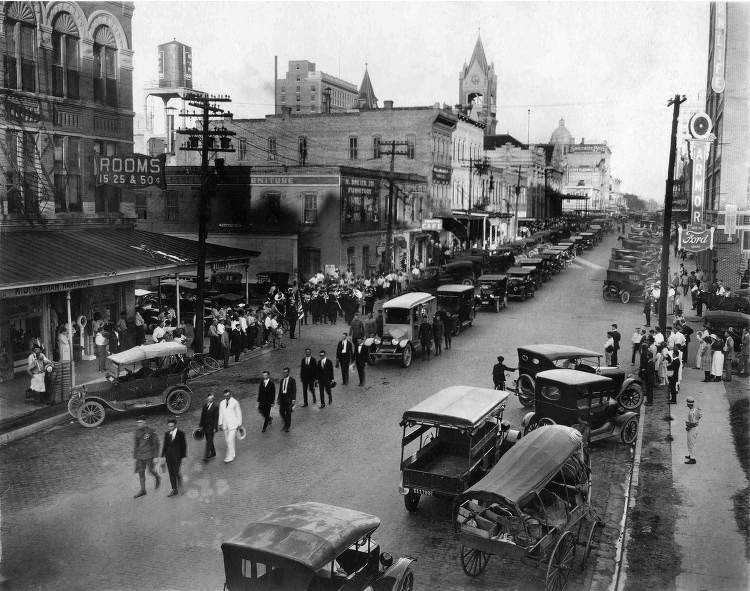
column 230, row 419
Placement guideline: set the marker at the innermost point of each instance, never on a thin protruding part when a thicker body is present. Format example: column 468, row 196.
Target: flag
column 300, row 309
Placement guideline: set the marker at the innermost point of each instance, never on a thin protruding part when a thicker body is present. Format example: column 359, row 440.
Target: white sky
column 608, row 68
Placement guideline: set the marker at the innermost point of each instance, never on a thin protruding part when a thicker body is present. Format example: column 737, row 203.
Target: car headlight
column 403, row 342
column 376, row 340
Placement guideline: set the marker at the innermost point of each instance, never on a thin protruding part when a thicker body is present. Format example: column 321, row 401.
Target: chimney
column 388, row 105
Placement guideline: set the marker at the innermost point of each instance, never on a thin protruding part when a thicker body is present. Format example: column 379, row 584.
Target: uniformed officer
column 691, row 426
column 145, row 450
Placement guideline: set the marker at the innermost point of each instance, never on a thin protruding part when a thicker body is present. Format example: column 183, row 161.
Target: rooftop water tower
column 175, row 65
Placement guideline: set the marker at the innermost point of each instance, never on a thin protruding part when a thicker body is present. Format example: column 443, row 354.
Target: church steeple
column 366, row 99
column 477, row 87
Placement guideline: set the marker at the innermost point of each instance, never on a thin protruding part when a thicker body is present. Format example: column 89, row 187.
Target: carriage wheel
column 74, row 403
column 589, row 544
column 195, row 368
column 407, row 582
column 525, row 389
column 473, row 561
column 631, row 398
column 210, row 363
column 629, row 431
column 411, row 501
column 178, row 401
column 91, row 414
column 561, row 562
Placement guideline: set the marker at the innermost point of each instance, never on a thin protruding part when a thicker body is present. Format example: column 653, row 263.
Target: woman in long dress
column 701, row 348
column 706, row 356
column 717, row 360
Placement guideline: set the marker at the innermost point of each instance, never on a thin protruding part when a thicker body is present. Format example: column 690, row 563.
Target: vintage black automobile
column 542, row 268
column 521, row 282
column 138, row 378
column 493, row 291
column 501, row 259
column 624, row 284
column 554, row 259
column 459, row 302
column 588, row 402
column 313, row 547
column 533, row 359
column 463, row 271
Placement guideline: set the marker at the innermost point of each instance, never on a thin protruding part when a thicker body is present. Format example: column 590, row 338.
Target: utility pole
column 667, row 226
column 205, row 137
column 392, row 152
column 518, row 192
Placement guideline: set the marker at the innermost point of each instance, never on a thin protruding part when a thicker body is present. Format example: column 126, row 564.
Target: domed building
column 561, row 135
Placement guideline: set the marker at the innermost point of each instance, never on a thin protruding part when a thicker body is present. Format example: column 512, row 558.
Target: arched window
column 66, row 58
column 105, row 67
column 20, row 59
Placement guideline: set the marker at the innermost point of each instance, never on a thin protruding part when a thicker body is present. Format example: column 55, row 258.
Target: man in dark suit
column 308, row 370
column 344, row 353
column 361, row 357
column 287, row 398
column 325, row 378
column 210, row 424
column 173, row 451
column 616, row 336
column 266, row 399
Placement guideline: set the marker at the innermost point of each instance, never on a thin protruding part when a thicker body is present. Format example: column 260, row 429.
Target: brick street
column 69, row 519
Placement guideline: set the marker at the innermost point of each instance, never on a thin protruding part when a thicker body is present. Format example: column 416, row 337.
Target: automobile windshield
column 449, row 302
column 397, row 316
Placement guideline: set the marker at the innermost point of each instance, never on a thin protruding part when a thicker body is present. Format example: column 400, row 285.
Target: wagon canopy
column 143, row 352
column 529, row 465
column 463, row 406
column 310, row 534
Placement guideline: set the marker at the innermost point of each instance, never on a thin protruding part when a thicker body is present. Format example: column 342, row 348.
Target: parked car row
column 633, row 269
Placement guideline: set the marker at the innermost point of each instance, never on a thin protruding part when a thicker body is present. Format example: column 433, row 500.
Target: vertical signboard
column 720, row 44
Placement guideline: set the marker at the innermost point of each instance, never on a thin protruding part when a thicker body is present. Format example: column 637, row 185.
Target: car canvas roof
column 573, row 377
column 519, row 271
column 491, row 277
column 529, row 465
column 143, row 352
column 552, row 351
column 310, row 534
column 408, row 300
column 463, row 406
column 454, row 288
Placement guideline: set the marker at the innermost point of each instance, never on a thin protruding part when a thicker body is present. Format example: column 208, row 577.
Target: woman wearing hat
column 717, row 358
column 36, row 367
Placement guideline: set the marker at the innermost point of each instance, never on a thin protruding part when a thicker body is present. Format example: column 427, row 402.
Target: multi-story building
column 68, row 249
column 307, row 90
column 727, row 185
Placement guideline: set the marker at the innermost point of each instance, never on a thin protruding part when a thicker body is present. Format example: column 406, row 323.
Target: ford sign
column 696, row 238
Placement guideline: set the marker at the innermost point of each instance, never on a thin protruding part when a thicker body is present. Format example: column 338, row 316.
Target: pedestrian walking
column 437, row 334
column 287, row 398
column 210, row 424
column 325, row 378
column 308, row 370
column 728, row 351
column 145, row 450
column 635, row 340
column 357, row 328
column 344, row 353
column 174, row 450
column 616, row 337
column 425, row 337
column 266, row 399
column 498, row 373
column 448, row 328
column 361, row 359
column 230, row 419
column 691, row 426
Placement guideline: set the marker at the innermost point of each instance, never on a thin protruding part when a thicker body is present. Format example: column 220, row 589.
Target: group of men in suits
column 287, row 398
column 348, row 353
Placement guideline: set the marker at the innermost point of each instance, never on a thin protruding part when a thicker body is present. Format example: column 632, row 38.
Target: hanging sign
column 695, row 238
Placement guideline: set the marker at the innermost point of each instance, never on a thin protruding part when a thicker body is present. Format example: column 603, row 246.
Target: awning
column 453, row 225
column 45, row 261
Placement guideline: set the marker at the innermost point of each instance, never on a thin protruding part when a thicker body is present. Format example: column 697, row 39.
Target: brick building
column 68, row 249
column 301, row 219
column 727, row 185
column 305, row 89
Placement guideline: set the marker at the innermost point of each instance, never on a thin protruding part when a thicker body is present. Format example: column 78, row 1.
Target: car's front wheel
column 178, row 401
column 91, row 414
column 406, row 355
column 631, row 398
column 629, row 431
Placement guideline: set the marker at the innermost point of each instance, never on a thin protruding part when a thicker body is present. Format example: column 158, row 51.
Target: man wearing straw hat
column 691, row 425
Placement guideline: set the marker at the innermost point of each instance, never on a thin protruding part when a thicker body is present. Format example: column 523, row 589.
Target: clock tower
column 477, row 88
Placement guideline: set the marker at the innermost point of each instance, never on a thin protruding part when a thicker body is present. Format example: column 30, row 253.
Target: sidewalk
column 708, row 531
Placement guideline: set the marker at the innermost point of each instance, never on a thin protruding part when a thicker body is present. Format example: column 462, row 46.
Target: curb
column 621, row 553
column 33, row 428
